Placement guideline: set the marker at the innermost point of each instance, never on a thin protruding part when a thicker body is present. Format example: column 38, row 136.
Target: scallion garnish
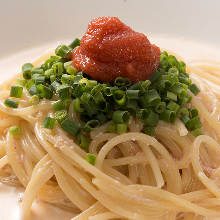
column 26, row 70
column 34, row 100
column 194, row 89
column 70, row 127
column 121, row 128
column 49, row 123
column 120, row 117
column 83, row 141
column 61, row 115
column 16, row 91
column 164, row 96
column 63, row 51
column 11, row 103
column 91, row 158
column 14, row 130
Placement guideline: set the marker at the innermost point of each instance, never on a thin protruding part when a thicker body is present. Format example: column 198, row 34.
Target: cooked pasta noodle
column 170, row 176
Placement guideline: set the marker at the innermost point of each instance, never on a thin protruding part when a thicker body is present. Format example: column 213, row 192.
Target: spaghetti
column 170, row 176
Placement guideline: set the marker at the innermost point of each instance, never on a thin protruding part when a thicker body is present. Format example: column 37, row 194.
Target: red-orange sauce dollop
column 110, row 49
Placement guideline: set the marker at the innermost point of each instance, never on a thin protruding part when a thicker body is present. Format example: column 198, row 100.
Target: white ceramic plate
column 28, row 28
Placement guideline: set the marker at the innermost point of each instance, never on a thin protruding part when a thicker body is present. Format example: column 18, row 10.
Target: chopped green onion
column 153, row 97
column 152, row 119
column 164, row 61
column 39, row 80
column 194, row 89
column 144, row 85
column 133, row 94
column 55, row 85
column 34, row 100
column 193, row 112
column 83, row 141
column 75, row 43
column 119, row 97
column 11, row 103
column 91, row 84
column 58, row 68
column 194, row 123
column 111, row 128
column 149, row 130
column 48, row 73
column 21, row 82
column 101, row 117
column 120, row 117
column 91, row 158
column 49, row 123
column 155, row 76
column 172, row 96
column 61, row 115
column 33, row 90
column 172, row 61
column 26, row 69
column 83, row 81
column 185, row 118
column 183, row 111
column 132, row 104
column 179, row 90
column 185, row 80
column 168, row 116
column 121, row 128
column 147, row 116
column 44, row 91
column 63, row 51
column 90, row 125
column 173, row 106
column 67, row 102
column 173, row 70
column 37, row 70
column 160, row 107
column 65, row 79
column 29, row 84
column 78, row 90
column 63, row 91
column 77, row 105
column 58, row 105
column 107, row 91
column 16, row 91
column 14, row 130
column 196, row 132
column 182, row 67
column 122, row 81
column 52, row 78
column 70, row 126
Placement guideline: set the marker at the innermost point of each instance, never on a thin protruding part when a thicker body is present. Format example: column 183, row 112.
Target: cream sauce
column 10, row 196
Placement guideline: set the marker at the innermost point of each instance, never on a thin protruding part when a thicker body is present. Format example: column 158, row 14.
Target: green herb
column 61, row 115
column 34, row 100
column 26, row 70
column 83, row 141
column 14, row 130
column 120, row 117
column 121, row 128
column 194, row 89
column 91, row 158
column 49, row 123
column 11, row 103
column 63, row 51
column 70, row 127
column 16, row 91
column 75, row 43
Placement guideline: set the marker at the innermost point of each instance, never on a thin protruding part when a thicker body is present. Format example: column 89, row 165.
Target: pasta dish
column 113, row 127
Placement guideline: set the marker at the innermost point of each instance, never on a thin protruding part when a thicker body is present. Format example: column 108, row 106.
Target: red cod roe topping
column 110, row 49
